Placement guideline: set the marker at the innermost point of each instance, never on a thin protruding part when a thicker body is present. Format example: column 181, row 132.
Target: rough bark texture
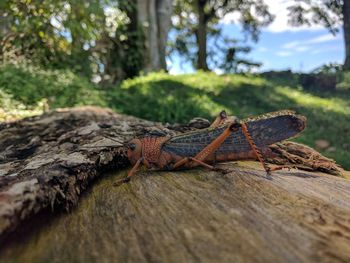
column 346, row 28
column 155, row 18
column 194, row 215
column 202, row 36
column 164, row 12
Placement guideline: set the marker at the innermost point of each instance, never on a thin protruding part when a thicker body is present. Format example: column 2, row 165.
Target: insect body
column 227, row 139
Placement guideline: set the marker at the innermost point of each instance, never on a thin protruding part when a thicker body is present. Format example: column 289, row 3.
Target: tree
column 137, row 40
column 199, row 20
column 329, row 13
column 155, row 18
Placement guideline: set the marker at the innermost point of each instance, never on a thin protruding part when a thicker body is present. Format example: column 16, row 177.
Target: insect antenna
column 120, row 143
column 113, row 139
column 99, row 146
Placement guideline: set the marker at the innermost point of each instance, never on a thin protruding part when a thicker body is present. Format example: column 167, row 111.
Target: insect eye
column 132, row 146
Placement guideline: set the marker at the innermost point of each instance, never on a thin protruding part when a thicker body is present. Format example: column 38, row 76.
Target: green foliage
column 86, row 36
column 344, row 81
column 29, row 85
column 52, row 33
column 330, row 68
column 327, row 13
column 11, row 109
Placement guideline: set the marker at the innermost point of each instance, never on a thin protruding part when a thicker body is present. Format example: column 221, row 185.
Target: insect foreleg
column 130, row 173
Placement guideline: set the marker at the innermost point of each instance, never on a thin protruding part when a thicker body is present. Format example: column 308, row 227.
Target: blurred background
column 172, row 60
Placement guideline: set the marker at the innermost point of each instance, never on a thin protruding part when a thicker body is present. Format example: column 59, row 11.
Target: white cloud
column 302, row 48
column 324, row 38
column 262, row 49
column 316, row 40
column 292, row 44
column 311, row 45
column 284, row 53
column 327, row 49
column 304, row 45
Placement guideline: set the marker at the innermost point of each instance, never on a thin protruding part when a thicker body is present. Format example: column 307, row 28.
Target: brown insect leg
column 134, row 169
column 187, row 160
column 202, row 163
column 130, row 173
column 181, row 162
column 215, row 144
column 255, row 148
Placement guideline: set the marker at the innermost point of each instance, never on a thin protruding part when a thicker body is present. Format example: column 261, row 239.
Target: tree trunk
column 346, row 28
column 164, row 11
column 155, row 18
column 5, row 24
column 202, row 36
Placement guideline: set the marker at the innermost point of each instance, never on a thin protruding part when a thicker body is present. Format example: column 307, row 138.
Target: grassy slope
column 166, row 98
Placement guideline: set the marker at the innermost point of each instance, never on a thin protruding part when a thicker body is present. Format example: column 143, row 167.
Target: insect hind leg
column 256, row 149
column 222, row 119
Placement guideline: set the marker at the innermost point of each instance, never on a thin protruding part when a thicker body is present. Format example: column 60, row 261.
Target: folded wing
column 265, row 130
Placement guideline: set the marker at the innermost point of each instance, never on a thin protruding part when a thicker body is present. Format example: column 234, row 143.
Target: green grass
column 61, row 88
column 166, row 98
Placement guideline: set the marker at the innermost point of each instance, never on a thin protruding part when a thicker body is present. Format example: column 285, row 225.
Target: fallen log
column 48, row 161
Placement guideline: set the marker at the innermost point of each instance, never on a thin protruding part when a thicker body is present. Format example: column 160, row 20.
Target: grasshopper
column 227, row 139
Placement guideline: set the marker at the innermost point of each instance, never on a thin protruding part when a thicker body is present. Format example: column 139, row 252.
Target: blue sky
column 281, row 46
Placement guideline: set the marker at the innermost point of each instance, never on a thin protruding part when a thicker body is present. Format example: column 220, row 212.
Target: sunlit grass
column 10, row 109
column 315, row 102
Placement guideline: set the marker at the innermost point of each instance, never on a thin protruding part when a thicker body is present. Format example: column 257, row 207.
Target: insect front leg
column 130, row 173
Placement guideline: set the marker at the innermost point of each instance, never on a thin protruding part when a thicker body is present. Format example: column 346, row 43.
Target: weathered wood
column 198, row 216
column 194, row 215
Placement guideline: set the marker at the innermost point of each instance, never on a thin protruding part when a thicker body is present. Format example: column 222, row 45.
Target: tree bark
column 202, row 36
column 5, row 24
column 164, row 12
column 155, row 18
column 346, row 28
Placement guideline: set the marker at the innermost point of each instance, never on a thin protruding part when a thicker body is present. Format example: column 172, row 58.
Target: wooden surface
column 47, row 165
column 197, row 216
